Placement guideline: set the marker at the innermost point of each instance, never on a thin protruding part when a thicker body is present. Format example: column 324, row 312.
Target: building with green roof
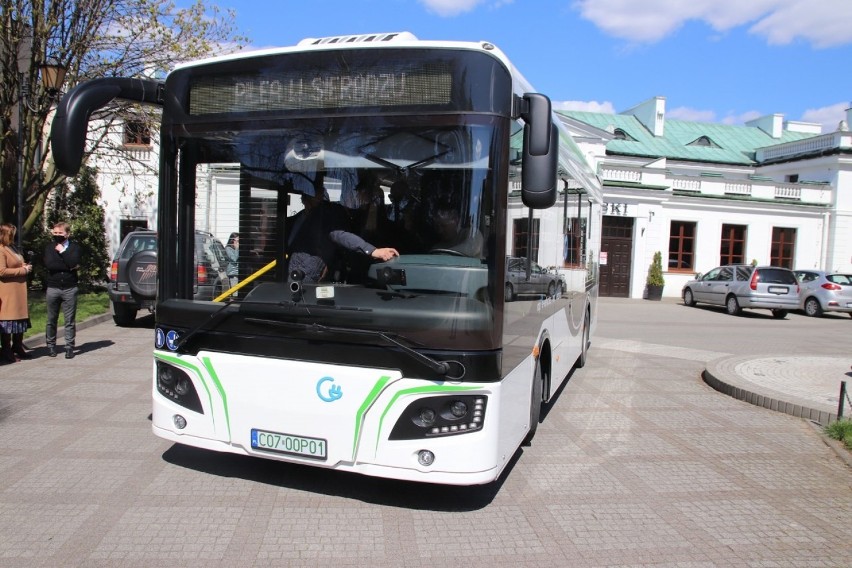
column 772, row 191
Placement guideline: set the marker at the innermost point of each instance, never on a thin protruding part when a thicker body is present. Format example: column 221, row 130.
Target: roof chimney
column 772, row 124
column 651, row 113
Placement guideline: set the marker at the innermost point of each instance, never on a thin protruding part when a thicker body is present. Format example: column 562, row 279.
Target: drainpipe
column 823, row 261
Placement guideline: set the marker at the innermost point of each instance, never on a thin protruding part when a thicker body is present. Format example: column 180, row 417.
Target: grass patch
column 88, row 305
column 840, row 430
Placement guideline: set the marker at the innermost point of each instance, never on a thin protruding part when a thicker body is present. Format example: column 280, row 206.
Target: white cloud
column 691, row 114
column 449, row 8
column 824, row 23
column 743, row 117
column 829, row 116
column 588, row 106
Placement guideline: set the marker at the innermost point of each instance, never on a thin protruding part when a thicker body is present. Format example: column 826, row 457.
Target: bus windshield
column 317, row 196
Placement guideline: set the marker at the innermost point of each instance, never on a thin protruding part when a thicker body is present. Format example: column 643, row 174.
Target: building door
column 616, row 247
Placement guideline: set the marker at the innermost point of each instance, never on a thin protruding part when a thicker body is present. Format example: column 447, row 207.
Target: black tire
column 510, row 292
column 142, row 273
column 551, row 290
column 123, row 314
column 688, row 298
column 779, row 314
column 535, row 402
column 812, row 307
column 733, row 306
column 584, row 351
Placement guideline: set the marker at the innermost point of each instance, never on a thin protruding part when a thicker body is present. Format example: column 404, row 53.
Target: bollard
column 842, row 400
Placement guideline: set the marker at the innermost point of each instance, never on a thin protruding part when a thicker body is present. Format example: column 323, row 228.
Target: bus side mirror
column 71, row 120
column 540, row 157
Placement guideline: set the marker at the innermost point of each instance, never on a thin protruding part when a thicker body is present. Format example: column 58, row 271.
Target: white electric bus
column 431, row 365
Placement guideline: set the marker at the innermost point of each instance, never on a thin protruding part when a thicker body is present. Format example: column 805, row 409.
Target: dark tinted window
column 136, row 243
column 842, row 279
column 744, row 272
column 776, row 276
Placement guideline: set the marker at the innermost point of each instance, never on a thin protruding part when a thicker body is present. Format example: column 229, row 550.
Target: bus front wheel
column 535, row 402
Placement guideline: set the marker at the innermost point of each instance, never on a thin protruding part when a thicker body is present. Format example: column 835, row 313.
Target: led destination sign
column 383, row 85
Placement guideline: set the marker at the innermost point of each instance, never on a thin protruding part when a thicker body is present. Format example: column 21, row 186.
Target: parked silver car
column 541, row 281
column 824, row 292
column 739, row 286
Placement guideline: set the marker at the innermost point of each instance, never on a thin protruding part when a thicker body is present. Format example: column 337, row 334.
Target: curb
column 714, row 379
column 39, row 340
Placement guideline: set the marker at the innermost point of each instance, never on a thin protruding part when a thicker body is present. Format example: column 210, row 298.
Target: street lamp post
column 52, row 77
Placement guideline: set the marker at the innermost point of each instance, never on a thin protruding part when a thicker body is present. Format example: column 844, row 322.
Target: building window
column 620, row 134
column 682, row 246
column 783, row 246
column 136, row 134
column 523, row 236
column 733, row 244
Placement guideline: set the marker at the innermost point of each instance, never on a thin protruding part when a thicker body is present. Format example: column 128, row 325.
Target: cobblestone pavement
column 637, row 463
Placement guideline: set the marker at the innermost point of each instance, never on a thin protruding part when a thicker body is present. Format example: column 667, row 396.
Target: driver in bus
column 317, row 232
column 452, row 236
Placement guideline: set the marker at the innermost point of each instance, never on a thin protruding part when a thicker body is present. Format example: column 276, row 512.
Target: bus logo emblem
column 331, row 393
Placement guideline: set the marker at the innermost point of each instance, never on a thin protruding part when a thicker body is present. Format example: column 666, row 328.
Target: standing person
column 232, row 249
column 62, row 259
column 14, row 314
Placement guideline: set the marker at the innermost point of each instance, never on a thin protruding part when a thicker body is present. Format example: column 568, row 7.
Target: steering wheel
column 450, row 252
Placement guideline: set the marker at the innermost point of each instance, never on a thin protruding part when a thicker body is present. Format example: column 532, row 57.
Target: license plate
column 778, row 289
column 315, row 448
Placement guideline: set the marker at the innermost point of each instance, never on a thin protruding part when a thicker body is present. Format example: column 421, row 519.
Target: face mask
column 59, row 238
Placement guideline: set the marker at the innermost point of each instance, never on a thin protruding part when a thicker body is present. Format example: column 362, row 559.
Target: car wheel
column 535, row 402
column 551, row 290
column 510, row 292
column 688, row 299
column 123, row 314
column 779, row 314
column 812, row 308
column 733, row 306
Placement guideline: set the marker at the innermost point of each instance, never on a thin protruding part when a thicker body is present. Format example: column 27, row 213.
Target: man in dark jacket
column 62, row 259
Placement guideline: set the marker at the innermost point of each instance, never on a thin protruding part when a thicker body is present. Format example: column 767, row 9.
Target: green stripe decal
column 431, row 389
column 368, row 401
column 178, row 362
column 209, row 366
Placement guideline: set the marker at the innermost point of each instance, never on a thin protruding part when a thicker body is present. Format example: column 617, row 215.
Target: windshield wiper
column 215, row 317
column 440, row 367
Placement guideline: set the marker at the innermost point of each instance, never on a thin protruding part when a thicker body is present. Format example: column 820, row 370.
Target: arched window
column 704, row 141
column 622, row 135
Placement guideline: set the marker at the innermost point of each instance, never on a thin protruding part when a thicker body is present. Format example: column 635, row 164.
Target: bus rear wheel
column 584, row 348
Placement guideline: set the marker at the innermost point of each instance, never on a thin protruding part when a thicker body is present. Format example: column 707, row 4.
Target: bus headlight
column 174, row 384
column 440, row 416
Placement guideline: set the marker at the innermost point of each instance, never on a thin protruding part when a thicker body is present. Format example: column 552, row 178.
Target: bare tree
column 89, row 39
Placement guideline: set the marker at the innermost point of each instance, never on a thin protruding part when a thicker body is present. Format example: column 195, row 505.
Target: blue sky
column 713, row 60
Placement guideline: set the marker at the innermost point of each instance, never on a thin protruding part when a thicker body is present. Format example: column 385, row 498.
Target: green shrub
column 840, row 430
column 655, row 271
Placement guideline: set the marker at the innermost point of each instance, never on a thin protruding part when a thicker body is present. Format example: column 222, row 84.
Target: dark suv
column 133, row 274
